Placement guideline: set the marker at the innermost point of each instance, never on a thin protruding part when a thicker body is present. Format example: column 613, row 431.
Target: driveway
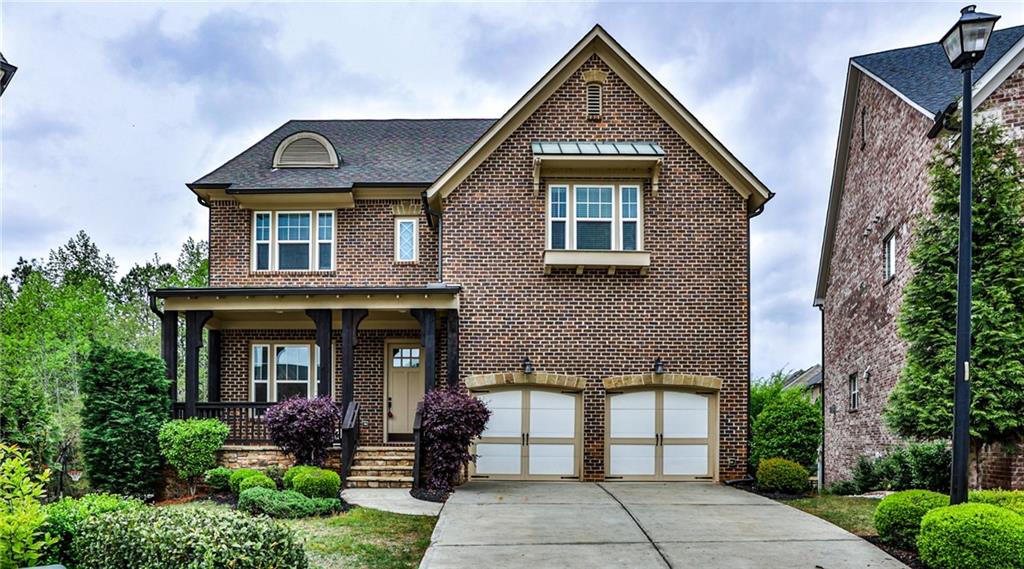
column 638, row 525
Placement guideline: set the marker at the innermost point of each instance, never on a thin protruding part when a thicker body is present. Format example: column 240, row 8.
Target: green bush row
column 898, row 516
column 164, row 538
column 310, row 481
column 65, row 516
column 285, row 504
column 923, row 466
column 972, row 536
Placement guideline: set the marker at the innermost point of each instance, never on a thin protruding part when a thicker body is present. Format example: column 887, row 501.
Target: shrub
column 930, row 464
column 291, row 473
column 452, row 418
column 191, row 445
column 865, row 475
column 218, row 479
column 275, row 473
column 285, row 504
column 239, row 475
column 166, row 538
column 256, row 481
column 843, row 488
column 972, row 536
column 65, row 516
column 23, row 539
column 789, row 427
column 304, row 428
column 898, row 516
column 893, row 470
column 124, row 404
column 922, row 466
column 781, row 475
column 1010, row 499
column 317, row 483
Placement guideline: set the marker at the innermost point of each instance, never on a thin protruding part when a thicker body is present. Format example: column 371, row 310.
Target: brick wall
column 886, row 187
column 691, row 309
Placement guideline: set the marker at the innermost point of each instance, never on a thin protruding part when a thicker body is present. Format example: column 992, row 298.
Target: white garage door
column 532, row 434
column 660, row 435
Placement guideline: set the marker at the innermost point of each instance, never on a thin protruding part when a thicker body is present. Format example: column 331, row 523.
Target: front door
column 404, row 388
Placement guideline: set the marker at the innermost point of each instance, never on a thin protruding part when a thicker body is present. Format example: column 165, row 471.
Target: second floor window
column 595, row 217
column 854, row 393
column 293, row 241
column 889, row 248
column 406, row 241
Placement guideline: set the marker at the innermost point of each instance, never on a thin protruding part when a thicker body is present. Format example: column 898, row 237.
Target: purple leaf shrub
column 304, row 428
column 452, row 418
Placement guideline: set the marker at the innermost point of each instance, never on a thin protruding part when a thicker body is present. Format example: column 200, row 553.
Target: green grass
column 855, row 515
column 360, row 537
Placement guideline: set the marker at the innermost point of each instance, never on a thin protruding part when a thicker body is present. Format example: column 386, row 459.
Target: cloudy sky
column 116, row 106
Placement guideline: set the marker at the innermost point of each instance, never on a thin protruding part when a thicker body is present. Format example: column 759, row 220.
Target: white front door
column 532, row 434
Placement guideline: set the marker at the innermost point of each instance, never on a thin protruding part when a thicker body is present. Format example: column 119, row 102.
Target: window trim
column 551, row 218
column 269, row 241
column 333, row 239
column 600, row 97
column 616, row 219
column 313, row 242
column 332, row 155
column 853, row 389
column 272, row 346
column 889, row 244
column 415, row 239
column 622, row 219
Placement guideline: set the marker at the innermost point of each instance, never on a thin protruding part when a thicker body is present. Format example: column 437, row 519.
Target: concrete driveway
column 637, row 525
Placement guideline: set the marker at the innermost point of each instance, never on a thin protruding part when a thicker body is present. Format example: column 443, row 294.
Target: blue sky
column 116, row 106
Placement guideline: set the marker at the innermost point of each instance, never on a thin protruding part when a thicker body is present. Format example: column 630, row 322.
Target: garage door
column 532, row 435
column 661, row 435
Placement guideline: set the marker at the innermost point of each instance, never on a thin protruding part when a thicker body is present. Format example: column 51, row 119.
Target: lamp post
column 964, row 45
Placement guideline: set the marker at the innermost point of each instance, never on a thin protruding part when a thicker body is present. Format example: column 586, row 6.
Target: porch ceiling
column 269, row 301
column 399, row 319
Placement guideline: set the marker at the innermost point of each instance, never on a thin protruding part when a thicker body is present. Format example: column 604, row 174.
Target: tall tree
column 80, row 259
column 921, row 405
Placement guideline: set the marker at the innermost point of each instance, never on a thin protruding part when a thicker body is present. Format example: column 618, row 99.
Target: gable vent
column 594, row 99
column 305, row 150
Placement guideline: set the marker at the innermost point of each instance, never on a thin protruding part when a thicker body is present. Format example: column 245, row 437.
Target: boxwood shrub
column 64, row 517
column 972, row 536
column 218, row 479
column 165, row 538
column 898, row 516
column 1009, row 499
column 241, row 474
column 191, row 445
column 291, row 473
column 285, row 504
column 318, row 483
column 257, row 481
column 781, row 475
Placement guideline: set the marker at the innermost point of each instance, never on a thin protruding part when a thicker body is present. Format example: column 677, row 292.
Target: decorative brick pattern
column 520, row 378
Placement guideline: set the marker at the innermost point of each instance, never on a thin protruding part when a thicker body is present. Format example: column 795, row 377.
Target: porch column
column 169, row 349
column 322, row 318
column 428, row 338
column 453, row 348
column 194, row 322
column 213, row 367
column 350, row 318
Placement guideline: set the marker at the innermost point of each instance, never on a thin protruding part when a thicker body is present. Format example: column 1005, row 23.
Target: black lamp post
column 965, row 45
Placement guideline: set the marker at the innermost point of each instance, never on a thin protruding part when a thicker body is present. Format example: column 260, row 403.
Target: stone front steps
column 382, row 467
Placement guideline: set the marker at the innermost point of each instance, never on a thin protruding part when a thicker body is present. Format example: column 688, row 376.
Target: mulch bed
column 909, row 558
column 429, row 495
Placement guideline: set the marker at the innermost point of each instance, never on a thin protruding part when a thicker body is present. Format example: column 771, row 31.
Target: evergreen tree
column 921, row 405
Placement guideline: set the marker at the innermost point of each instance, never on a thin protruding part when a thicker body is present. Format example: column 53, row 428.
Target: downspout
column 821, row 456
column 433, row 214
column 152, row 306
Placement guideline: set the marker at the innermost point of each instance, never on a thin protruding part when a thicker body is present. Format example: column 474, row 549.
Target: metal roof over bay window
column 598, row 148
column 612, row 159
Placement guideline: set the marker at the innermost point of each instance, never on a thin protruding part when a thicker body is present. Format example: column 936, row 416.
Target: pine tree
column 921, row 405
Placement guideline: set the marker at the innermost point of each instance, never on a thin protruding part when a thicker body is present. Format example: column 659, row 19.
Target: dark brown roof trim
column 302, row 291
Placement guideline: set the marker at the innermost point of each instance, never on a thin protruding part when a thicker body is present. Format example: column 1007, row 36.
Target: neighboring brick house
column 594, row 288
column 879, row 187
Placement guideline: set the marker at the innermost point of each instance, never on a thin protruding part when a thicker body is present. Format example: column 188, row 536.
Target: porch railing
column 349, row 439
column 244, row 419
column 417, row 464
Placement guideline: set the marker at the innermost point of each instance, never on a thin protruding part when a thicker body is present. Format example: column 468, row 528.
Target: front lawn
column 360, row 537
column 855, row 515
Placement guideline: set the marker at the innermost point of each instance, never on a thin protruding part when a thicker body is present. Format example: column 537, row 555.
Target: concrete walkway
column 395, row 500
column 637, row 525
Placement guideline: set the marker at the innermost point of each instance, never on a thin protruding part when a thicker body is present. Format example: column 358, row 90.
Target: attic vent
column 305, row 150
column 593, row 99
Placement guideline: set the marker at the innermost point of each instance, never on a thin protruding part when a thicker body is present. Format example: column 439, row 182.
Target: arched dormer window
column 305, row 150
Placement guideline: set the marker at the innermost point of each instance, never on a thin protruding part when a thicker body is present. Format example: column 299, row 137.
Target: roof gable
column 598, row 42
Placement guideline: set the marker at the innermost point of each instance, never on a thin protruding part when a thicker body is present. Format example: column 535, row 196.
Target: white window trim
column 621, row 219
column 600, row 97
column 616, row 219
column 252, row 373
column 854, row 389
column 332, row 156
column 889, row 255
column 611, row 220
column 331, row 241
column 310, row 241
column 552, row 218
column 269, row 242
column 272, row 370
column 415, row 239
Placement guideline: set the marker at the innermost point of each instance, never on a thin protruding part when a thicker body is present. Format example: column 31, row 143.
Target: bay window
column 594, row 217
column 293, row 241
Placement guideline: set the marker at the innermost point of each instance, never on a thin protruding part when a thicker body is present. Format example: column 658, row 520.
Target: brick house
column 580, row 263
column 879, row 186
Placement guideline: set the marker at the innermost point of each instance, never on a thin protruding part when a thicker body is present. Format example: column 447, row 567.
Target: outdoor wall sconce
column 527, row 366
column 659, row 366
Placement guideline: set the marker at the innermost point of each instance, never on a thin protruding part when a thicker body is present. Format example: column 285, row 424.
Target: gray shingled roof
column 922, row 73
column 400, row 151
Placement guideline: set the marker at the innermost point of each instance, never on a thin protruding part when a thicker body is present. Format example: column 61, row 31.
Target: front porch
column 375, row 351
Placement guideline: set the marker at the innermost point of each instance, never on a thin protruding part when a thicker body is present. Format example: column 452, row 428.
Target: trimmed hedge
column 258, row 481
column 898, row 516
column 239, row 475
column 190, row 446
column 165, row 538
column 285, row 504
column 317, row 483
column 789, row 427
column 218, row 479
column 972, row 536
column 294, row 471
column 1010, row 499
column 781, row 475
column 65, row 516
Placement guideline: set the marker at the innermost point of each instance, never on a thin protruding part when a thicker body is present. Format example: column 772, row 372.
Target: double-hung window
column 293, row 241
column 594, row 217
column 282, row 371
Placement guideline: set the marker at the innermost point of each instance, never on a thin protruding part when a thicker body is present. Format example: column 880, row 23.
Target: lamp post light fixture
column 964, row 45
